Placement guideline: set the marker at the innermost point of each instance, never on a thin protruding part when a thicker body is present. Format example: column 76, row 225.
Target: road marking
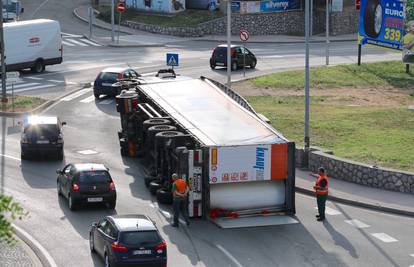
column 148, row 74
column 34, row 88
column 412, row 255
column 55, row 81
column 75, row 95
column 106, row 102
column 272, row 56
column 88, row 99
column 330, row 211
column 21, row 85
column 87, row 152
column 76, row 42
column 34, row 78
column 233, row 259
column 71, row 35
column 67, row 43
column 10, row 157
column 90, row 42
column 357, row 223
column 384, row 237
column 38, row 8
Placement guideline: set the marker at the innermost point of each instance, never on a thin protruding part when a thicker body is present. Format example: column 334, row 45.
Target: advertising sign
column 337, row 5
column 381, row 24
column 249, row 7
column 408, row 39
column 279, row 5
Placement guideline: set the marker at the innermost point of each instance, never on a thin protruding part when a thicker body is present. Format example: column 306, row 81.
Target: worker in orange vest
column 321, row 191
column 179, row 190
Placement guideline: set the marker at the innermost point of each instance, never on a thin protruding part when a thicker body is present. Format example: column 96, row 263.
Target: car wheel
column 91, row 243
column 253, row 64
column 71, row 201
column 38, row 67
column 96, row 95
column 59, row 190
column 112, row 204
column 60, row 155
column 234, row 66
column 107, row 263
column 373, row 18
column 164, row 196
column 153, row 187
column 148, row 180
column 212, row 66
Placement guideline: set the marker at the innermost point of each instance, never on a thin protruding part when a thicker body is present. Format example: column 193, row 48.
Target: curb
column 38, row 109
column 44, row 257
column 358, row 203
column 277, row 42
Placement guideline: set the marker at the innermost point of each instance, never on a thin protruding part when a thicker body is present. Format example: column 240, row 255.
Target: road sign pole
column 244, row 64
column 307, row 138
column 119, row 24
column 359, row 54
column 112, row 21
column 90, row 21
column 3, row 65
column 327, row 32
column 229, row 43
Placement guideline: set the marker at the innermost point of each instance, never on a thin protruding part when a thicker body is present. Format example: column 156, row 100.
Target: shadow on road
column 109, row 109
column 41, row 172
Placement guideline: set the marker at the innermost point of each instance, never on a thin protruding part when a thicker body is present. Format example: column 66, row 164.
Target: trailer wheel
column 148, row 180
column 157, row 121
column 153, row 187
column 373, row 18
column 38, row 67
column 164, row 196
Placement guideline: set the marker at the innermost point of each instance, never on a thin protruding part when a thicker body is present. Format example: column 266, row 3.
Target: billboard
column 381, row 24
column 263, row 6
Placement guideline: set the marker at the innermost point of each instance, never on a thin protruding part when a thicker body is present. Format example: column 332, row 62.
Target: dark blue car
column 106, row 78
column 128, row 240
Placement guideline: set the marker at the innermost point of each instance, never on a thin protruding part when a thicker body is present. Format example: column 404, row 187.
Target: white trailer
column 239, row 168
column 32, row 44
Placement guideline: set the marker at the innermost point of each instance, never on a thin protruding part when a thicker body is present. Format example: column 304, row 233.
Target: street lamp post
column 3, row 63
column 327, row 32
column 112, row 21
column 307, row 139
column 229, row 43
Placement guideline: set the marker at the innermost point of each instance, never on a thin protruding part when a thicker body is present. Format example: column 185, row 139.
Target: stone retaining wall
column 359, row 173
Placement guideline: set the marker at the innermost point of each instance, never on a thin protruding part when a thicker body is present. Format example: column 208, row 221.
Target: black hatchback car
column 128, row 240
column 84, row 183
column 240, row 56
column 106, row 78
column 42, row 135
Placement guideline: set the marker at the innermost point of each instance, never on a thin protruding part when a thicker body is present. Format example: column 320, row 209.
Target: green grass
column 23, row 103
column 384, row 136
column 391, row 73
column 188, row 18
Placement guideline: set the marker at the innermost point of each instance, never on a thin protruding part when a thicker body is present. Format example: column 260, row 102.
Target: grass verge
column 187, row 18
column 22, row 103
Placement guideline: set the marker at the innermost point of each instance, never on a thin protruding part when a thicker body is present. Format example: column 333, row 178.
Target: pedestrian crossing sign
column 172, row 59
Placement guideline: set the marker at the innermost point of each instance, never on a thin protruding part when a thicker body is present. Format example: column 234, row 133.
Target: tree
column 9, row 210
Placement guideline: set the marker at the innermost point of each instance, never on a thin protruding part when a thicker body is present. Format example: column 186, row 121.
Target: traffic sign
column 120, row 7
column 172, row 59
column 12, row 77
column 244, row 35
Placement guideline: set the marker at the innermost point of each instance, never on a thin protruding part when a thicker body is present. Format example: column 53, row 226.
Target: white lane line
column 21, row 85
column 357, row 223
column 90, row 42
column 10, row 157
column 35, row 87
column 384, row 237
column 412, row 255
column 67, row 43
column 330, row 211
column 34, row 78
column 148, row 74
column 56, row 81
column 71, row 35
column 233, row 259
column 76, row 42
column 88, row 99
column 49, row 258
column 106, row 102
column 272, row 56
column 75, row 95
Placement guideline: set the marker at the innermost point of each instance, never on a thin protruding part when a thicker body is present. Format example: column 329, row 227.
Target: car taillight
column 161, row 247
column 232, row 52
column 120, row 76
column 60, row 139
column 111, row 186
column 117, row 247
column 75, row 188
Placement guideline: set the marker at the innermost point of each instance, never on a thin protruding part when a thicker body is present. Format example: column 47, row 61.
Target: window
column 140, row 238
column 46, row 130
column 94, row 177
column 107, row 228
column 109, row 77
column 67, row 169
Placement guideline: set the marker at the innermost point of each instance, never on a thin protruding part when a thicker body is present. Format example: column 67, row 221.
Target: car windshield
column 42, row 129
column 94, row 177
column 108, row 77
column 140, row 238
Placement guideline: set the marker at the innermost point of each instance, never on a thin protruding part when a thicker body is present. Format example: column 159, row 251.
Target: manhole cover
column 87, row 152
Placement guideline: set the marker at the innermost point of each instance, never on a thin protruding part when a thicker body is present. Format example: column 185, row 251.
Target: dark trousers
column 179, row 206
column 321, row 200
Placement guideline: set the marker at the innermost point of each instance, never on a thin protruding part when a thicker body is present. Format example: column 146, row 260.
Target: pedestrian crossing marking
column 90, row 42
column 75, row 95
column 87, row 152
column 70, row 35
column 106, row 102
column 357, row 223
column 35, row 87
column 67, row 43
column 88, row 99
column 384, row 237
column 75, row 42
column 34, row 78
column 330, row 211
column 55, row 81
column 21, row 85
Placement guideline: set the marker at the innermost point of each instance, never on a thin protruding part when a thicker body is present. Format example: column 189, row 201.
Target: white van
column 32, row 44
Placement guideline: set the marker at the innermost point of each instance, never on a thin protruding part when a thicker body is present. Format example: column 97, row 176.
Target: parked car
column 42, row 136
column 106, row 78
column 128, row 240
column 240, row 56
column 83, row 183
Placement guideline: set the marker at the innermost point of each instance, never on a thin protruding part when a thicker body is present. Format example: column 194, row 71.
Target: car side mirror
column 59, row 171
column 63, row 123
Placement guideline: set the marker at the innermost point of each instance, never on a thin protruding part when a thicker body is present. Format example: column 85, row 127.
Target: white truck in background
column 32, row 44
column 12, row 10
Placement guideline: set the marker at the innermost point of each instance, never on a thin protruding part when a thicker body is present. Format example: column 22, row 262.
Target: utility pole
column 307, row 139
column 229, row 43
column 327, row 32
column 3, row 63
column 112, row 21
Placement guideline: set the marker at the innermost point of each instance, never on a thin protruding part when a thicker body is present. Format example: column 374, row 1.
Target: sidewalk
column 19, row 255
column 136, row 38
column 359, row 195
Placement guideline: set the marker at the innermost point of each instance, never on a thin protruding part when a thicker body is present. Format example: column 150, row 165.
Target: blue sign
column 235, row 6
column 279, row 5
column 381, row 23
column 172, row 59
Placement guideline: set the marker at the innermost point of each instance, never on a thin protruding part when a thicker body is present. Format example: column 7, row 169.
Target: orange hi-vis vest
column 318, row 184
column 180, row 186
